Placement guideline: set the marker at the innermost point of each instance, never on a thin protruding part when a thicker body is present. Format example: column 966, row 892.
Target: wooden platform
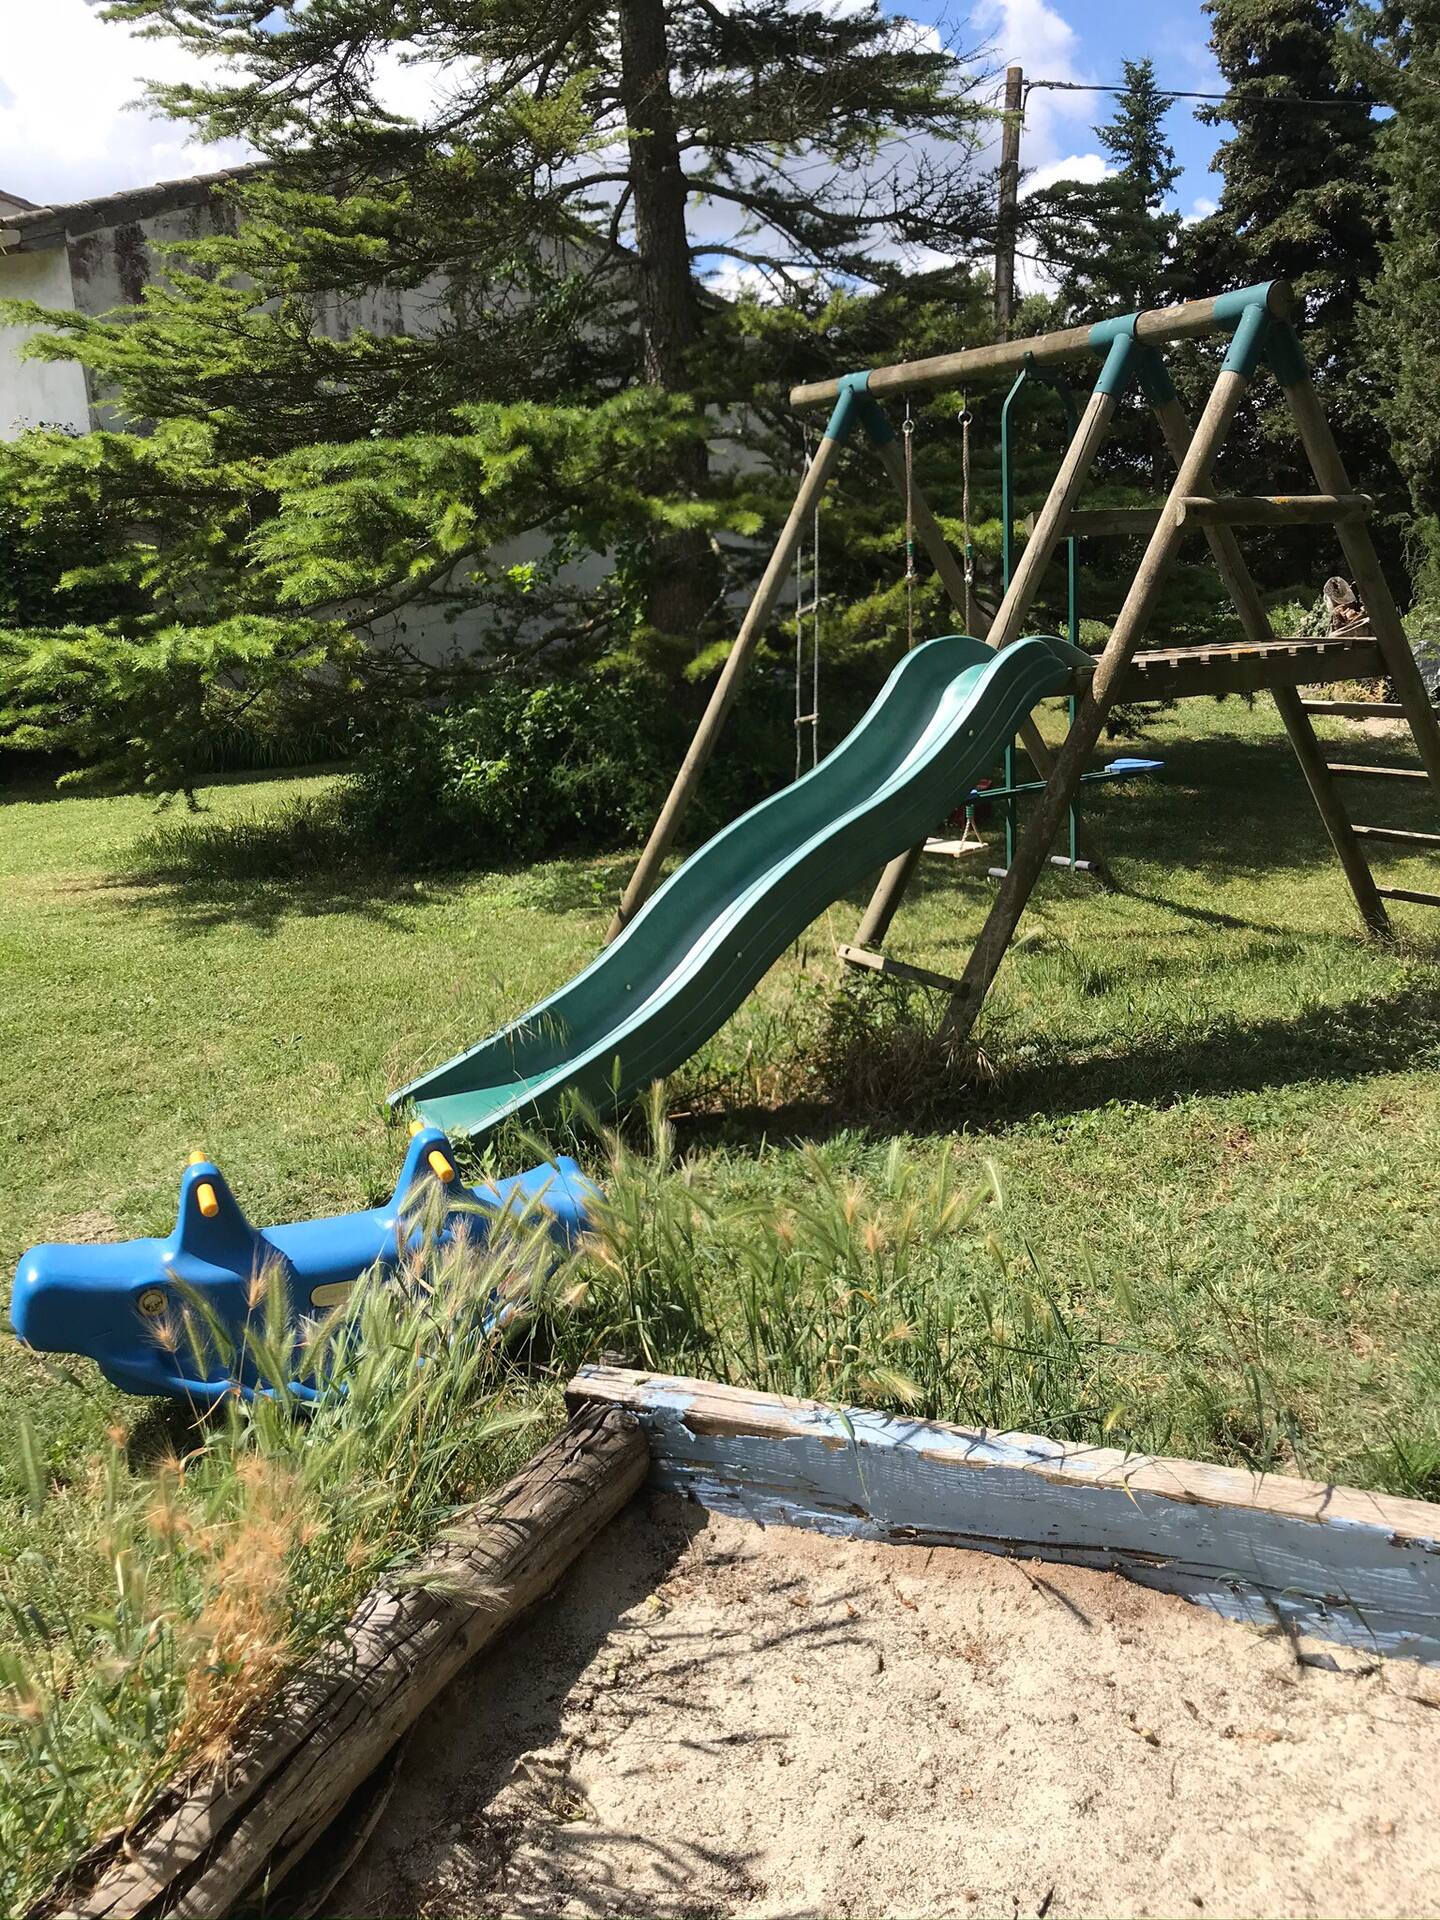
column 1188, row 673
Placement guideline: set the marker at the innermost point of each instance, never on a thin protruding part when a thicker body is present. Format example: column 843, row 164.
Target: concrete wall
column 38, row 393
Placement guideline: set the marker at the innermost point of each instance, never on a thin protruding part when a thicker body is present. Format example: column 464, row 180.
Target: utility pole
column 1005, row 222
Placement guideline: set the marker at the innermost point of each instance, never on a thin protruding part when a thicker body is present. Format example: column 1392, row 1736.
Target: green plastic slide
column 704, row 939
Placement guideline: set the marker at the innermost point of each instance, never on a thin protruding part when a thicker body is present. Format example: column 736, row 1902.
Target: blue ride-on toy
column 139, row 1309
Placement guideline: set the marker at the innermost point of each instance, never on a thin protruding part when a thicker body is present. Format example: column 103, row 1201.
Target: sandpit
column 711, row 1717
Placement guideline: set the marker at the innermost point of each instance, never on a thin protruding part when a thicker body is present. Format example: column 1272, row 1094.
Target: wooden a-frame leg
column 772, row 584
column 1240, row 585
column 1034, row 845
column 1328, row 466
column 1024, row 584
column 1348, row 849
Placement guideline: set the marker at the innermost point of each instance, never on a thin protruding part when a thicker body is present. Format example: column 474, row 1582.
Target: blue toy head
column 132, row 1308
column 178, row 1316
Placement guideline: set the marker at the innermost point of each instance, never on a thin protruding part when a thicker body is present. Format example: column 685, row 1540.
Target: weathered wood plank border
column 1333, row 1561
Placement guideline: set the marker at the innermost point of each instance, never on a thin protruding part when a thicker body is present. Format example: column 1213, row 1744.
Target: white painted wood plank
column 1353, row 1566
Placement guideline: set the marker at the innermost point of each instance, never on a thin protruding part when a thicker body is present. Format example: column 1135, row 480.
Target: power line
column 1233, row 98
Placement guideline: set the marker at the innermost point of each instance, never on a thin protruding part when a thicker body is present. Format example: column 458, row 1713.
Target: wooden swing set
column 1260, row 323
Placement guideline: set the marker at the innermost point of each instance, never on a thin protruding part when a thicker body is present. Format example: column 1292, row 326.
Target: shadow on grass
column 259, row 873
column 1232, row 807
column 1228, row 807
column 1353, row 1041
column 312, row 856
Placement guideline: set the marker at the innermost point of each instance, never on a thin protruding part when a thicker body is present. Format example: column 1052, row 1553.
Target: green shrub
column 583, row 763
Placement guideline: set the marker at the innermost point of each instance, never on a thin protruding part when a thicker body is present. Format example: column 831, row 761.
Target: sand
column 710, row 1718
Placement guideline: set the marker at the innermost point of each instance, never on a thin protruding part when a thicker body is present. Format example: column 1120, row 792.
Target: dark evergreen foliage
column 553, row 213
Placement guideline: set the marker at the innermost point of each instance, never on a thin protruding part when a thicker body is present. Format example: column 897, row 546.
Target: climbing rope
column 969, row 545
column 909, row 432
column 812, row 608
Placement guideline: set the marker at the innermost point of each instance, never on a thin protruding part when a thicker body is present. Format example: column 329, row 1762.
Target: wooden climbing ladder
column 1260, row 323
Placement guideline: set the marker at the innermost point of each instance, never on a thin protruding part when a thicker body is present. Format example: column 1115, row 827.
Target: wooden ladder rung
column 1271, row 509
column 1397, row 836
column 1344, row 771
column 1412, row 894
column 1356, row 709
column 869, row 962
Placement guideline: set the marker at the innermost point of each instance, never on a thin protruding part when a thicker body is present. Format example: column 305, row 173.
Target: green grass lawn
column 1208, row 1092
column 1205, row 1122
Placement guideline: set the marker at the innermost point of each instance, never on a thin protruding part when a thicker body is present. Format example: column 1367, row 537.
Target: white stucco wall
column 38, row 393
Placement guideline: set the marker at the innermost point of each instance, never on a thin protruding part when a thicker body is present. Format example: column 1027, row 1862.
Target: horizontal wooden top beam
column 1188, row 321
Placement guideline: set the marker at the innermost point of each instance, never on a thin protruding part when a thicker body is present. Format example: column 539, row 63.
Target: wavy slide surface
column 704, row 938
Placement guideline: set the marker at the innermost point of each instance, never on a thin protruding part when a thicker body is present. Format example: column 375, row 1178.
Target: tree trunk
column 684, row 579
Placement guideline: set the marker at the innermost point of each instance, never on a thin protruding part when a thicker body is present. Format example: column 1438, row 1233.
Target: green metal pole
column 1007, row 538
column 1072, row 608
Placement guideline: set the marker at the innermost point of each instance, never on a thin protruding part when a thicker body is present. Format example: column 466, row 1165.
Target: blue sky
column 1087, row 40
column 67, row 78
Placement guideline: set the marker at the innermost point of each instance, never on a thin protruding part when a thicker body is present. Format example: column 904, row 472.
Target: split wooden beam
column 207, row 1846
column 868, row 962
column 1355, row 709
column 1415, row 895
column 1409, row 837
column 1274, row 510
column 1368, row 770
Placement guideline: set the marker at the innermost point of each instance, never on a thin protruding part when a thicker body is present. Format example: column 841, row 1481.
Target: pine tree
column 785, row 141
column 1110, row 240
column 557, row 208
column 1302, row 200
column 1395, row 52
column 1110, row 245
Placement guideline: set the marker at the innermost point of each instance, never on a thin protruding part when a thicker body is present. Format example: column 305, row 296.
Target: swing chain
column 969, row 545
column 909, row 433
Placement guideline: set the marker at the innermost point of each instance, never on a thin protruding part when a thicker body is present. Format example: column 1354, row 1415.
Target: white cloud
column 1201, row 208
column 1030, row 276
column 1088, row 167
column 66, row 81
column 733, row 278
column 70, row 126
column 1045, row 44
